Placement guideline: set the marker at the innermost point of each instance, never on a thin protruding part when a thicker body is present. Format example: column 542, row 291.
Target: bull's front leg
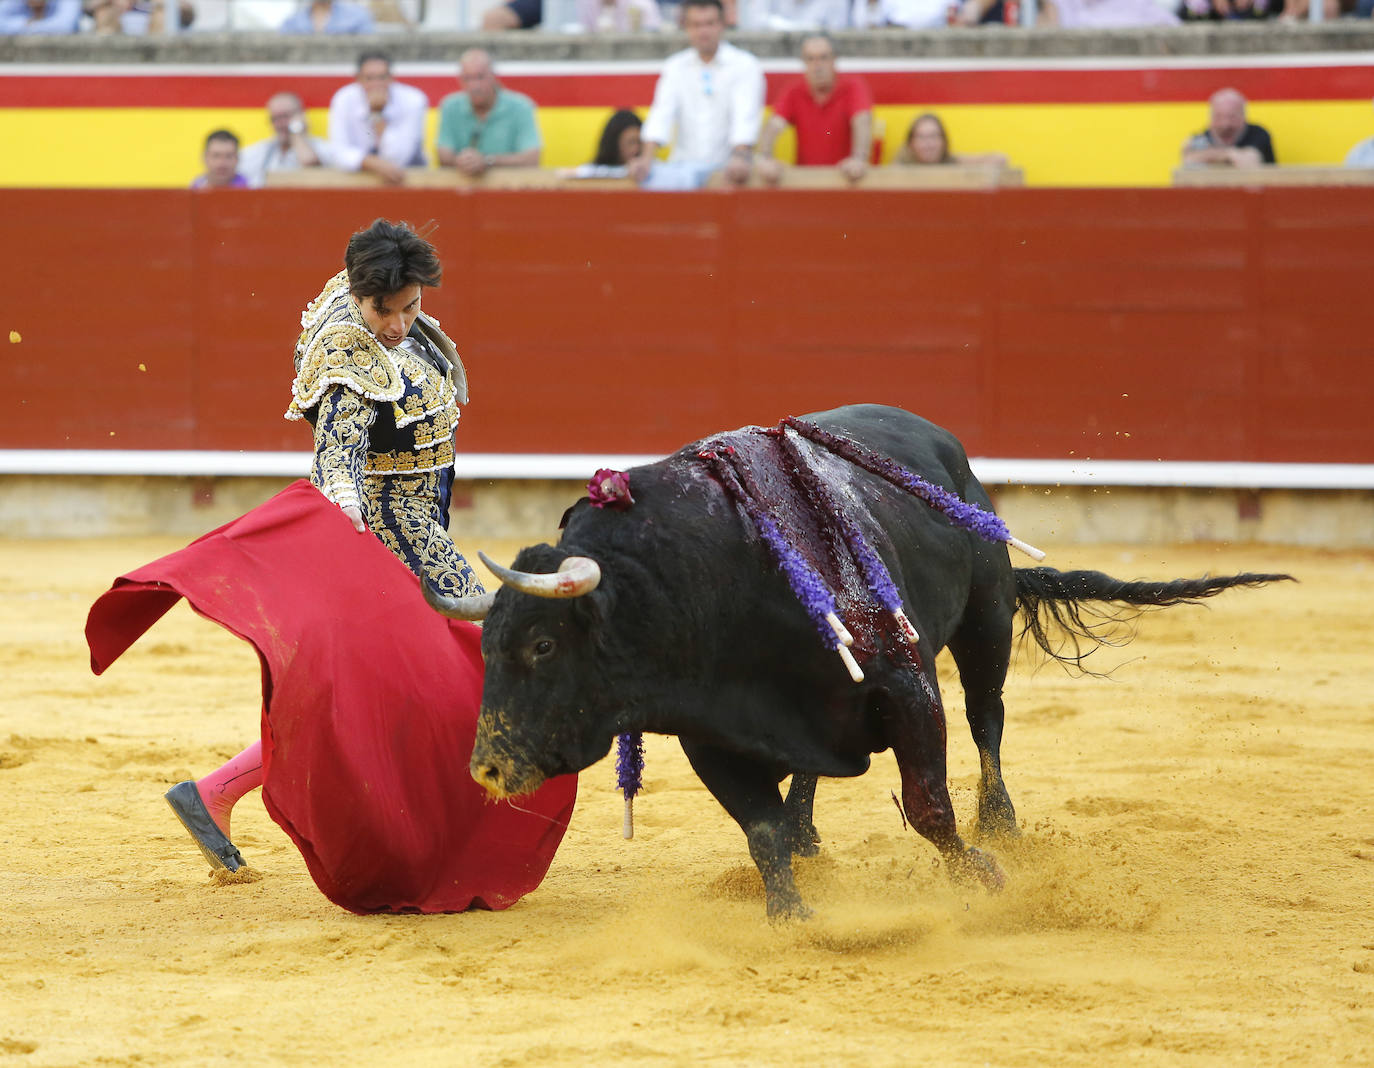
column 748, row 791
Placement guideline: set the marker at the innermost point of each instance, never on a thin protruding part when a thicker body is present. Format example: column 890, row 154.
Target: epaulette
column 337, row 348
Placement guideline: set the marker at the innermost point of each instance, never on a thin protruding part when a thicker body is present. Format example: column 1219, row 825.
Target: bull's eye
column 542, row 647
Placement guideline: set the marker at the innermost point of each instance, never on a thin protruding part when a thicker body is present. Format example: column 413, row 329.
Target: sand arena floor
column 1195, row 883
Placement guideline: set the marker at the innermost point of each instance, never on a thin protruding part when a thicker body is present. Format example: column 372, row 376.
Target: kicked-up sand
column 1194, row 883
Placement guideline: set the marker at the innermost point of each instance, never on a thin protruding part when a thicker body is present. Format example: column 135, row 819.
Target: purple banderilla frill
column 807, row 585
column 986, row 525
column 629, row 763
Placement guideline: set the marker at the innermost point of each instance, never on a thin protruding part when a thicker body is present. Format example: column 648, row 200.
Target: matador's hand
column 355, row 516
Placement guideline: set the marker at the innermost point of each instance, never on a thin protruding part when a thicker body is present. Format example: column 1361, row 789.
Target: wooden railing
column 941, row 177
column 1273, row 174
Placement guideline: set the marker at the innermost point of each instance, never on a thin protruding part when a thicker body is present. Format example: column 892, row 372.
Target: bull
column 670, row 616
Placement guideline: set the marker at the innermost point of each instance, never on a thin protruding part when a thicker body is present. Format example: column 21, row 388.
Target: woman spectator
column 619, row 140
column 927, row 144
column 618, row 145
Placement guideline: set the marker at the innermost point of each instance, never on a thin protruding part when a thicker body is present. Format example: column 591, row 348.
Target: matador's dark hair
column 388, row 257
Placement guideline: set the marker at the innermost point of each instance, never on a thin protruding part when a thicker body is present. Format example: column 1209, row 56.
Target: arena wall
column 1168, row 334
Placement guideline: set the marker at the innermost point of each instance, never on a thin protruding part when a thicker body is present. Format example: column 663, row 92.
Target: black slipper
column 186, row 802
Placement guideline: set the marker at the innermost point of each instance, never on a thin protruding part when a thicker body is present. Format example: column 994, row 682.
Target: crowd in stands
column 602, row 16
column 707, row 113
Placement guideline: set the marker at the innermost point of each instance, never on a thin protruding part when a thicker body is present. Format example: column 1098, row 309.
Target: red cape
column 370, row 704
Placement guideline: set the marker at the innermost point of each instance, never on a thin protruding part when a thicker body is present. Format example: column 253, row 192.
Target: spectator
column 1229, row 140
column 618, row 145
column 620, row 140
column 977, row 12
column 619, row 16
column 329, row 16
column 1294, row 10
column 791, row 15
column 377, row 124
column 833, row 116
column 289, row 149
column 1222, row 10
column 39, row 16
column 138, row 18
column 707, row 104
column 221, row 163
column 513, row 15
column 1103, row 14
column 485, row 124
column 1362, row 155
column 927, row 144
column 912, row 14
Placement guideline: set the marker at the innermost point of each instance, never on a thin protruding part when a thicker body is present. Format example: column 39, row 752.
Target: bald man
column 1229, row 140
column 485, row 125
column 289, row 148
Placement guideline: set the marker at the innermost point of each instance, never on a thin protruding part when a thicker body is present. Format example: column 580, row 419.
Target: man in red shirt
column 833, row 116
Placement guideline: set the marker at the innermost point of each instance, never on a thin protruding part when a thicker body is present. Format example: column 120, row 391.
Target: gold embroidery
column 403, row 512
column 337, row 350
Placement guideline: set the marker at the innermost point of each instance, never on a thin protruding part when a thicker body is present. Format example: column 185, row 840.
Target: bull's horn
column 575, row 576
column 469, row 608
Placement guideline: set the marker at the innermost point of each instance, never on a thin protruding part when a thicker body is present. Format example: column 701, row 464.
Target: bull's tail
column 1071, row 613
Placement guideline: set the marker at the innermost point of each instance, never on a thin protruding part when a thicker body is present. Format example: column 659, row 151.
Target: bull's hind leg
column 801, row 798
column 748, row 790
column 981, row 648
column 916, row 731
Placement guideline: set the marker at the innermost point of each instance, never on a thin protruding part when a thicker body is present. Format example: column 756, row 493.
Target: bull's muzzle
column 496, row 769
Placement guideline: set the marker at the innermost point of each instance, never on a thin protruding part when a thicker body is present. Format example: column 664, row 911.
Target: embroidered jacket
column 355, row 391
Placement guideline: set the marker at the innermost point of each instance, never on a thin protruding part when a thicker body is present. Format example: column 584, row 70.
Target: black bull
column 691, row 630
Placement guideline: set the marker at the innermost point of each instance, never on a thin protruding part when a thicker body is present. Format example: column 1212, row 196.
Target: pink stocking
column 221, row 789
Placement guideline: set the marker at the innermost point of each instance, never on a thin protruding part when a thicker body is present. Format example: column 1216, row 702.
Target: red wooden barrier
column 1183, row 324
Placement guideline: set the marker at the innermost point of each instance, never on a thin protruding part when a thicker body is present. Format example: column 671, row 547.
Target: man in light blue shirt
column 39, row 16
column 485, row 125
column 329, row 16
column 1362, row 155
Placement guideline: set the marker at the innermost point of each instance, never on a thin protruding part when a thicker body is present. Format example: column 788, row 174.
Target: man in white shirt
column 377, row 124
column 708, row 104
column 291, row 147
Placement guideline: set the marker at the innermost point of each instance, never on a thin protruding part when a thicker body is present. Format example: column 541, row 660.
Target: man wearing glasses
column 708, row 104
column 290, row 147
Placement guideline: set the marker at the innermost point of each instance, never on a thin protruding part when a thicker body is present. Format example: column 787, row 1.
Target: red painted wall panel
column 1186, row 324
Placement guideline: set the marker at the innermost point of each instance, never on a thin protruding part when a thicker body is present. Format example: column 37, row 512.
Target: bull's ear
column 562, row 523
column 594, row 609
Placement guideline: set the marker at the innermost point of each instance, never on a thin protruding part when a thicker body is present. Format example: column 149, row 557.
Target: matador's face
column 390, row 317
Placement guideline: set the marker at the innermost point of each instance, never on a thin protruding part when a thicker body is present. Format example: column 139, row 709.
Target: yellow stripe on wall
column 1055, row 144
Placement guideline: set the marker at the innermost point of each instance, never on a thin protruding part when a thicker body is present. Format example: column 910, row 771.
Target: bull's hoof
column 791, row 910
column 998, row 824
column 973, row 866
column 996, row 816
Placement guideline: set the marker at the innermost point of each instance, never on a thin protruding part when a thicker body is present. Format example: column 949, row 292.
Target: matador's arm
column 341, row 439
